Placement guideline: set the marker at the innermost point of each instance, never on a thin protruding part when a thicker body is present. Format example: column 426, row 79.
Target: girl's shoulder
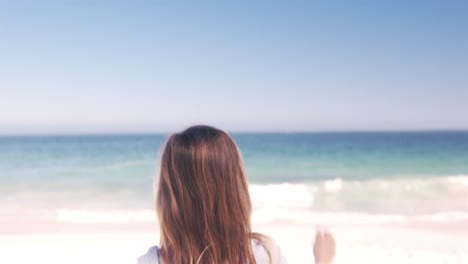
column 151, row 257
column 262, row 251
column 266, row 249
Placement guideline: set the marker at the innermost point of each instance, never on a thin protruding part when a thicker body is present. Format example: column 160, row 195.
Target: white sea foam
column 333, row 186
column 443, row 217
column 459, row 179
column 286, row 195
column 89, row 217
column 335, row 201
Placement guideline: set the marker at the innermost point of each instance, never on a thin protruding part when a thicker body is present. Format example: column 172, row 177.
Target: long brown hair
column 203, row 200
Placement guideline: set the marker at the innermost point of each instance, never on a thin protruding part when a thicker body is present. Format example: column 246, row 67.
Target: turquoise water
column 339, row 172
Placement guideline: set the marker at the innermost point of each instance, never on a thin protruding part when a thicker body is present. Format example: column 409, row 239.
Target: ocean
column 358, row 177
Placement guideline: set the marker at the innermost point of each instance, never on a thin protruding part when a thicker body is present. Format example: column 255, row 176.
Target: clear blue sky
column 144, row 66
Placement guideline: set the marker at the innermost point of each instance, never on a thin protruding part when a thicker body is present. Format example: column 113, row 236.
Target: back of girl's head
column 203, row 201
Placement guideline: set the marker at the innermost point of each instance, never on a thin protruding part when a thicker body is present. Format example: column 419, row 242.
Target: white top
column 260, row 254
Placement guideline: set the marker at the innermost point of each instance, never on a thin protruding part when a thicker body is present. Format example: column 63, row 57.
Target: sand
column 355, row 244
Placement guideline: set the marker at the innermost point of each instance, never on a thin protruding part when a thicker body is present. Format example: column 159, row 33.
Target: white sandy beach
column 360, row 244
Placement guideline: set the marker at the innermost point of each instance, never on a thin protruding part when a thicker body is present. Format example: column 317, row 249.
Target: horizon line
column 149, row 133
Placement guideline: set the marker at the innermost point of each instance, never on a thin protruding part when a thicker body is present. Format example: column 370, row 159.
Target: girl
column 203, row 204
